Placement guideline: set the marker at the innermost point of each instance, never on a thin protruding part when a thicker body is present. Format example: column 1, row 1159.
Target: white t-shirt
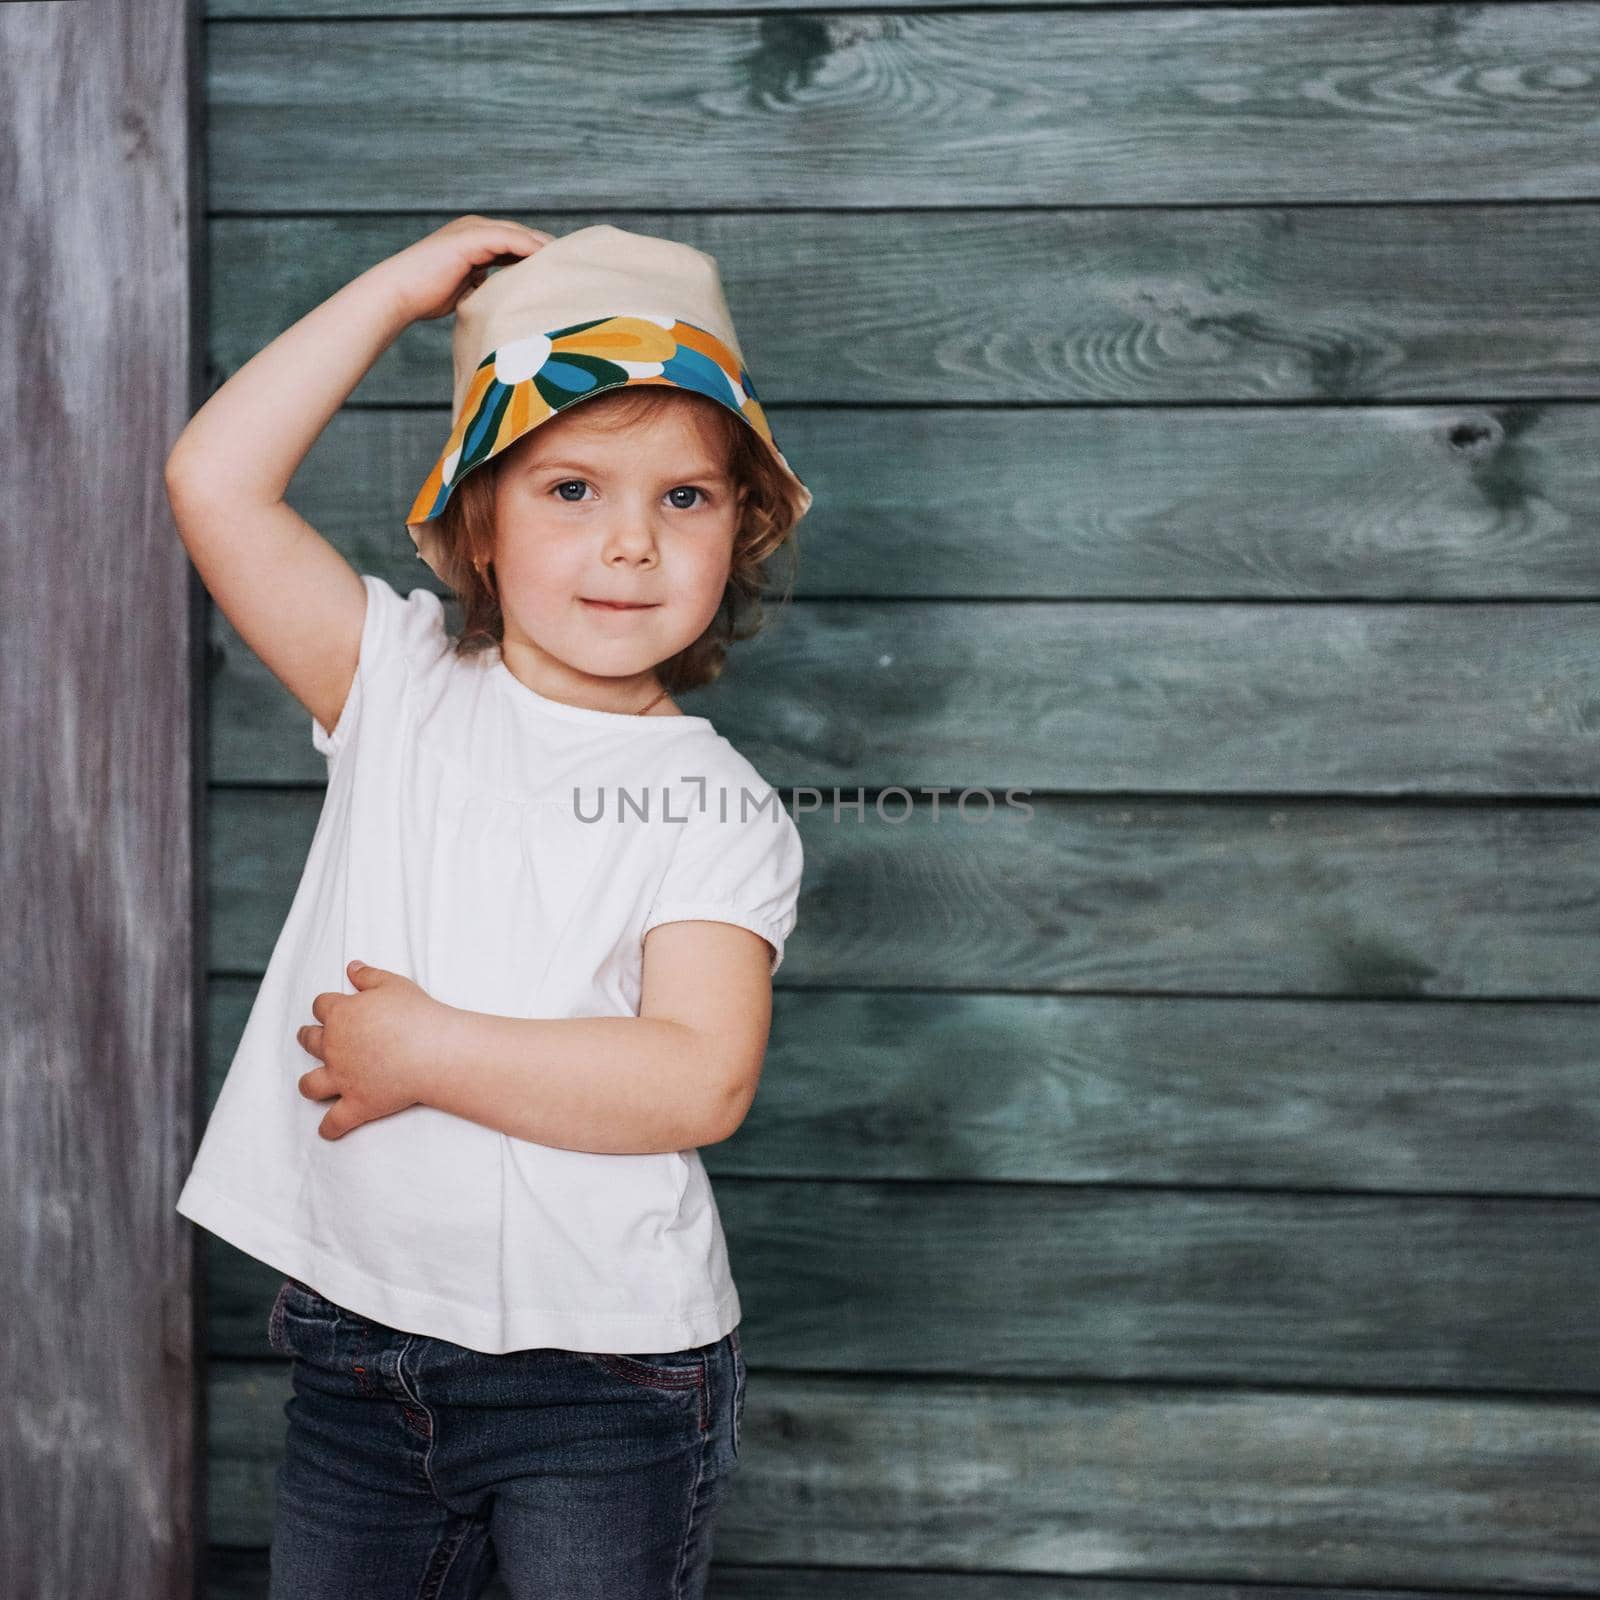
column 452, row 847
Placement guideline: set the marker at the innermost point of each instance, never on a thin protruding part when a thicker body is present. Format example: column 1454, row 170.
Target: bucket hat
column 596, row 309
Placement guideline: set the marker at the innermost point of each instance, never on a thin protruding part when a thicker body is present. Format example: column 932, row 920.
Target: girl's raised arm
column 289, row 594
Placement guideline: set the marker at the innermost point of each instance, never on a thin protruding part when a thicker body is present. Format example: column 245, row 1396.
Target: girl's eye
column 690, row 488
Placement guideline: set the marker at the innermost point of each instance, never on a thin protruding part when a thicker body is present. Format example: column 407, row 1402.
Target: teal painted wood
column 945, row 109
column 779, row 13
column 1344, row 1096
column 1101, row 1480
column 242, row 1575
column 1112, row 305
column 1105, row 698
column 1252, row 897
column 1009, row 1280
column 1157, row 502
column 1122, row 1116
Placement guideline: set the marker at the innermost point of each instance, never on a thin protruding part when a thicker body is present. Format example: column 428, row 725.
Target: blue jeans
column 415, row 1469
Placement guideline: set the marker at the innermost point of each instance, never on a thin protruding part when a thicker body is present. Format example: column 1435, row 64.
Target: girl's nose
column 632, row 538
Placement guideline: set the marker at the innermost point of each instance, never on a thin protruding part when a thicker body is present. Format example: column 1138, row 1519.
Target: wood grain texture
column 1438, row 701
column 1190, row 1186
column 1111, row 304
column 1008, row 1111
column 1028, row 1476
column 1159, row 502
column 944, row 109
column 1308, row 1096
column 101, row 1471
column 434, row 10
column 1013, row 1280
column 1269, row 898
column 240, row 1574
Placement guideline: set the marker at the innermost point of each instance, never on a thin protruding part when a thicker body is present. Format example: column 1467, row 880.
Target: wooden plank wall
column 1190, row 1182
column 102, row 772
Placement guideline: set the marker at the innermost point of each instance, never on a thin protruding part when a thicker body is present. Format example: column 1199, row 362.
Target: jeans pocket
column 276, row 1334
column 676, row 1374
column 297, row 1308
column 668, row 1369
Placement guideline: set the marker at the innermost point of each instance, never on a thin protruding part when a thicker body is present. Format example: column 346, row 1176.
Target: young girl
column 527, row 969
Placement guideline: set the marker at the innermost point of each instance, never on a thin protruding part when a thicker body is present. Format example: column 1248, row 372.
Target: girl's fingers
column 522, row 227
column 317, row 1084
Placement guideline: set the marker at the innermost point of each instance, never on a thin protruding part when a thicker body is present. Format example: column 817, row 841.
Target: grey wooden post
column 101, row 1415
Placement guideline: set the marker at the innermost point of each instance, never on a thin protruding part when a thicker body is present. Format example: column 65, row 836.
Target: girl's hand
column 376, row 1046
column 430, row 276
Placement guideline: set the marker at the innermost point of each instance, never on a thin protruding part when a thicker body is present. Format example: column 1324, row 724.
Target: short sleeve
column 396, row 631
column 745, row 869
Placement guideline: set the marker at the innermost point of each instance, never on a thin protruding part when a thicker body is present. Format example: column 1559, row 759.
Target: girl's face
column 644, row 515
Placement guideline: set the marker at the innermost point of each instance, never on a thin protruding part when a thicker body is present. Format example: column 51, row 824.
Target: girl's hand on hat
column 376, row 1046
column 432, row 275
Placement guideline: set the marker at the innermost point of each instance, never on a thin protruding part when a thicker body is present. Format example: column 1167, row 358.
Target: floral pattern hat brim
column 512, row 375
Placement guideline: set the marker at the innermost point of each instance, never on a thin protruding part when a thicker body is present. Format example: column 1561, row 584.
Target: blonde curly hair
column 466, row 530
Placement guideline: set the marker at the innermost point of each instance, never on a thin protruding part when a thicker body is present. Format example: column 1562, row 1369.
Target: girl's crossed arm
column 681, row 1074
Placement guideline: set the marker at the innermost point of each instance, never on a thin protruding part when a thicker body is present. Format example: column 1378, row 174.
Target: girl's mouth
column 616, row 605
